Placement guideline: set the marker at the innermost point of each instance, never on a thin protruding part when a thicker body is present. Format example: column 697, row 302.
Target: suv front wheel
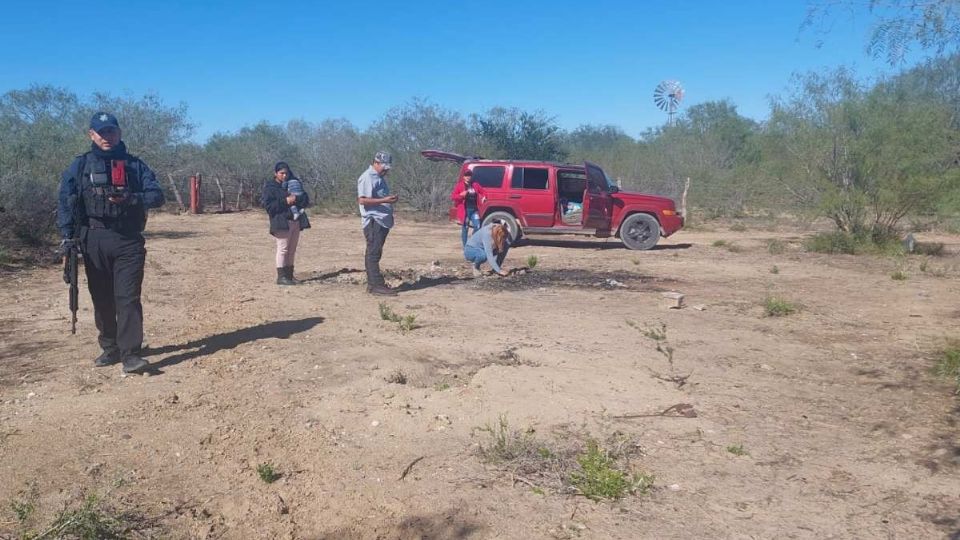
column 640, row 231
column 508, row 220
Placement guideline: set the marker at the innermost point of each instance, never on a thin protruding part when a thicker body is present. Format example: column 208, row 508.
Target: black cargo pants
column 376, row 235
column 114, row 266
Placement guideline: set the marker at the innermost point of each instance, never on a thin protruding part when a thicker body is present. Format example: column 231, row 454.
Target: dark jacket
column 145, row 193
column 274, row 201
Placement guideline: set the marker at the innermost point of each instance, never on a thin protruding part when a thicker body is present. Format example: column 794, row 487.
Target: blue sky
column 597, row 62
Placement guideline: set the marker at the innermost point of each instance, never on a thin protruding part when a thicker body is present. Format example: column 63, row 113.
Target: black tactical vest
column 96, row 186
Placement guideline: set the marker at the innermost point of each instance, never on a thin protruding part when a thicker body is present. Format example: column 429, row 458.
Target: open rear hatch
column 440, row 155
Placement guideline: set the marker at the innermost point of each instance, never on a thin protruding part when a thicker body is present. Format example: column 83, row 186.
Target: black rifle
column 70, row 252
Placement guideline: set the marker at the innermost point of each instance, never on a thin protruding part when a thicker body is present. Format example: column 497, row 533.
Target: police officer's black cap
column 102, row 120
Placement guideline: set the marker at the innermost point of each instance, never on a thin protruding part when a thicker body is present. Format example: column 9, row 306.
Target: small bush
column 599, row 478
column 387, row 314
column 933, row 249
column 22, row 509
column 738, row 227
column 396, row 377
column 507, row 444
column 719, row 243
column 778, row 307
column 406, row 323
column 948, row 363
column 776, row 246
column 899, row 275
column 89, row 521
column 532, row 261
column 734, row 248
column 267, row 473
column 737, row 449
column 774, row 269
column 840, row 242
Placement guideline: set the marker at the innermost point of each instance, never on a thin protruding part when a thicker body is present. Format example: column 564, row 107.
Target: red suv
column 544, row 197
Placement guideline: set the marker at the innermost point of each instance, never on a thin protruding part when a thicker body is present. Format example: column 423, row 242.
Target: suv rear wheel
column 508, row 220
column 640, row 231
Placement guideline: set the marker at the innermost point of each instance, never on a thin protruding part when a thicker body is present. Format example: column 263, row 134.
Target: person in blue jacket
column 103, row 201
column 490, row 244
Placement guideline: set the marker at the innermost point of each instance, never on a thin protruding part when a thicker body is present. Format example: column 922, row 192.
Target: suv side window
column 529, row 178
column 491, row 177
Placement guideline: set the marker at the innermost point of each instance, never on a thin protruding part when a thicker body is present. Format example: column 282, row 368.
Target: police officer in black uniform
column 108, row 191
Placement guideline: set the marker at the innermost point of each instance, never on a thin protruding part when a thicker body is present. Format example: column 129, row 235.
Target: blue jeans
column 472, row 219
column 475, row 255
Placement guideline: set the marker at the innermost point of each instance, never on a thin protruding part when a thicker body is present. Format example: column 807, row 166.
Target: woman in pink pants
column 284, row 228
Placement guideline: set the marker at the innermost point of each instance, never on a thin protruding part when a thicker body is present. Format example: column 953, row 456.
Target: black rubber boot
column 282, row 278
column 290, row 275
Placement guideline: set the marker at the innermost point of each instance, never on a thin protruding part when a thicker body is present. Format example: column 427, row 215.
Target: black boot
column 290, row 275
column 107, row 358
column 282, row 278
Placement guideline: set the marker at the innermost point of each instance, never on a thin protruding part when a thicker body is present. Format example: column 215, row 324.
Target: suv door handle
column 515, row 196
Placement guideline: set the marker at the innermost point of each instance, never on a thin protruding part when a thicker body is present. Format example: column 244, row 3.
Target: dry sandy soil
column 844, row 431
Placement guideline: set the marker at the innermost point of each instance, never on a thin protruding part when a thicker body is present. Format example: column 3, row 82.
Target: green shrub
column 599, row 478
column 840, row 242
column 532, row 261
column 267, row 473
column 719, row 243
column 948, row 363
column 776, row 246
column 738, row 227
column 778, row 307
column 933, row 249
column 899, row 275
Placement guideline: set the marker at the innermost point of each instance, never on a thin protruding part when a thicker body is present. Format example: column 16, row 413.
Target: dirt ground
column 826, row 423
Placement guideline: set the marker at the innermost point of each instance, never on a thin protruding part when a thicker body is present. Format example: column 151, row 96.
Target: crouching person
column 490, row 244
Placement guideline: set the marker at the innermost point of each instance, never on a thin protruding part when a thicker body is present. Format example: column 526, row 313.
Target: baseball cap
column 102, row 120
column 384, row 158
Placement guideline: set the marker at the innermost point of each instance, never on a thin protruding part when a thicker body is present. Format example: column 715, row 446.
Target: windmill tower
column 667, row 97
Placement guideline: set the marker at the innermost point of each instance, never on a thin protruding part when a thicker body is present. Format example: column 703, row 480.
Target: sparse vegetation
column 899, row 275
column 532, row 261
column 22, row 509
column 91, row 521
column 267, row 473
column 775, row 246
column 600, row 478
column 737, row 450
column 397, row 376
column 734, row 248
column 775, row 306
column 507, row 444
column 840, row 242
column 719, row 243
column 933, row 249
column 738, row 227
column 948, row 363
column 774, row 269
column 440, row 387
column 406, row 323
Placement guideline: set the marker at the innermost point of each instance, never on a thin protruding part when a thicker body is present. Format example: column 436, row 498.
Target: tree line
column 863, row 154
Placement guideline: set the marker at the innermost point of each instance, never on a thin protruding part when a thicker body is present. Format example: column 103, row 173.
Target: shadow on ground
column 332, row 275
column 212, row 344
column 437, row 526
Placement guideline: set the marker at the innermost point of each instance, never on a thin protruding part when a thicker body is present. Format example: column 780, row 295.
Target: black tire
column 509, row 220
column 640, row 231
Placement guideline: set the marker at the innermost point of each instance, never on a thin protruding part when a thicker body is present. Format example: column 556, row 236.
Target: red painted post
column 196, row 207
